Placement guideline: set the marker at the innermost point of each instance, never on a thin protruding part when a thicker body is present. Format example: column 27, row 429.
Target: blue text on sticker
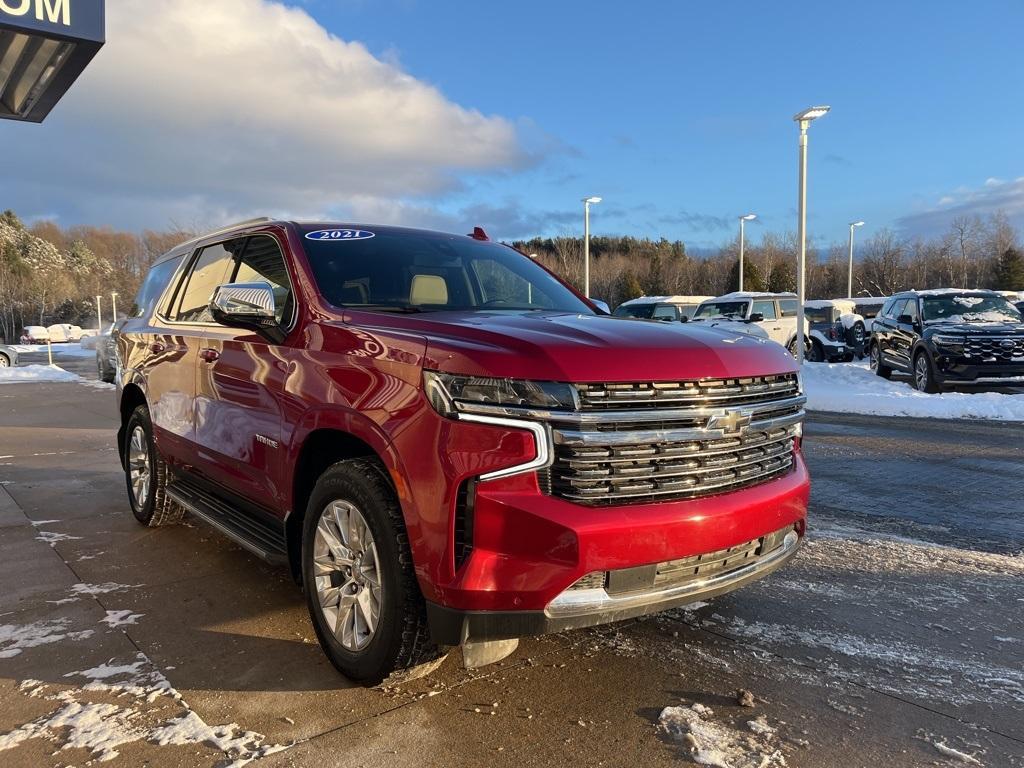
column 337, row 235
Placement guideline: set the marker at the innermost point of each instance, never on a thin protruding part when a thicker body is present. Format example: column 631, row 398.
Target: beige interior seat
column 428, row 289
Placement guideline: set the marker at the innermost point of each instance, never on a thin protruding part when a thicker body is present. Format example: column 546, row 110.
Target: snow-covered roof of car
column 846, row 305
column 741, row 295
column 869, row 299
column 954, row 291
column 665, row 300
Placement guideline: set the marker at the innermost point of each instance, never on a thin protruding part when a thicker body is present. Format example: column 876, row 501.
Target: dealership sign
column 44, row 46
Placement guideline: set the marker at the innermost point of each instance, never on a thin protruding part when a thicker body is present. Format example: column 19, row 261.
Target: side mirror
column 684, row 319
column 905, row 320
column 757, row 317
column 602, row 305
column 246, row 305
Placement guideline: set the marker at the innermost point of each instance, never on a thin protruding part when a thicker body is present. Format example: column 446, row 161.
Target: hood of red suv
column 552, row 346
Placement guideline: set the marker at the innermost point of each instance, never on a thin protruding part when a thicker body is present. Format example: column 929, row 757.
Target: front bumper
column 575, row 609
column 952, row 370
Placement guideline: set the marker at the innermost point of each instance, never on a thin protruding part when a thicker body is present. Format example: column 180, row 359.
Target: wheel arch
column 319, row 448
column 132, row 397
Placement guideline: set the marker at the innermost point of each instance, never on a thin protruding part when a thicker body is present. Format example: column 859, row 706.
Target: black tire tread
column 416, row 655
column 164, row 510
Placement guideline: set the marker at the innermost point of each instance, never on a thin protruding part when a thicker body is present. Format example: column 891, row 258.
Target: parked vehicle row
column 950, row 336
column 446, row 443
column 60, row 333
column 668, row 308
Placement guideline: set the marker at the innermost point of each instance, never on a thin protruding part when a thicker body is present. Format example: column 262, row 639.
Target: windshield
column 645, row 311
column 410, row 271
column 722, row 309
column 969, row 309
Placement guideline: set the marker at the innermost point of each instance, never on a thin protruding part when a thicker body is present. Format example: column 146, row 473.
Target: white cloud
column 199, row 110
column 992, row 196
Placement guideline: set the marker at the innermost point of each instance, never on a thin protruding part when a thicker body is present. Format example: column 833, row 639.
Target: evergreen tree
column 631, row 288
column 1009, row 275
column 753, row 279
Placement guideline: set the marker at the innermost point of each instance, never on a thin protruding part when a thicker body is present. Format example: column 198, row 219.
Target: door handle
column 209, row 355
column 157, row 347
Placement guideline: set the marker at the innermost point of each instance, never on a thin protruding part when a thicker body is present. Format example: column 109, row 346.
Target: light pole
column 587, row 202
column 804, row 119
column 743, row 220
column 849, row 275
column 99, row 316
column 113, row 300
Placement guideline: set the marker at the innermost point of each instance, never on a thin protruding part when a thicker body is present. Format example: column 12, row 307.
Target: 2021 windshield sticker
column 339, row 235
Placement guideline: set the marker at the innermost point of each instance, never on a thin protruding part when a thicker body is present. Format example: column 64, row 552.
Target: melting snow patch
column 116, row 619
column 52, row 538
column 718, row 745
column 944, row 749
column 242, row 746
column 35, row 374
column 100, row 589
column 16, row 637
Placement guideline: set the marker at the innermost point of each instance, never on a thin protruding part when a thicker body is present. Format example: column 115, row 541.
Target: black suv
column 949, row 336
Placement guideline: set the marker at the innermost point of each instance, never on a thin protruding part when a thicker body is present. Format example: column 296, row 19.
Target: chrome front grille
column 1000, row 348
column 677, row 445
column 661, row 394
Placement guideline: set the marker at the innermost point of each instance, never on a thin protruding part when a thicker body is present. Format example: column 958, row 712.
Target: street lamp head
column 749, row 217
column 856, row 223
column 812, row 113
column 592, row 200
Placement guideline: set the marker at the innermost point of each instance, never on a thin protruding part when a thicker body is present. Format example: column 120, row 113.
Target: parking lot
column 895, row 639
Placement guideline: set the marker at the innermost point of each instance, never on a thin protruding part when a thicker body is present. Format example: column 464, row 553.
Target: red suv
column 448, row 445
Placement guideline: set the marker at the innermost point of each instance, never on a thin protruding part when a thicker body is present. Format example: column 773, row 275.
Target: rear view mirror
column 246, row 305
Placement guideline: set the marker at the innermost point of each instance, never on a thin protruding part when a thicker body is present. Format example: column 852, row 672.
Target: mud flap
column 476, row 655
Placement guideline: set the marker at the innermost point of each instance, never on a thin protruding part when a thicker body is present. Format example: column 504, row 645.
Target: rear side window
column 788, row 307
column 766, row 308
column 666, row 312
column 209, row 270
column 153, row 287
column 263, row 262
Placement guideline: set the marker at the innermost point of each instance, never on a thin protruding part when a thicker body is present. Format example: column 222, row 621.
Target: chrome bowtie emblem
column 730, row 421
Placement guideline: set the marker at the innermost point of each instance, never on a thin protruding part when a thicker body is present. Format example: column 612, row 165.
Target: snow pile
column 35, row 374
column 714, row 744
column 853, row 388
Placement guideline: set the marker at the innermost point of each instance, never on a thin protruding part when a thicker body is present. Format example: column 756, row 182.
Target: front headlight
column 447, row 392
column 948, row 341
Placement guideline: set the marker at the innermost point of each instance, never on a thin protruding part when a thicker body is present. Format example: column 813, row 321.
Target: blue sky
column 678, row 114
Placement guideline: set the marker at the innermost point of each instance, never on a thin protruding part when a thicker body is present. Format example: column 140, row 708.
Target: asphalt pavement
column 896, row 638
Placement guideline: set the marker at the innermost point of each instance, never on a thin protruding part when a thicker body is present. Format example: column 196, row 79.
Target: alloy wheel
column 346, row 570
column 3, row 361
column 873, row 358
column 138, row 466
column 921, row 373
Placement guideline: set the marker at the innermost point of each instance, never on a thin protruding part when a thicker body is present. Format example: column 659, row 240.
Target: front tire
column 5, row 362
column 147, row 474
column 875, row 361
column 924, row 376
column 361, row 590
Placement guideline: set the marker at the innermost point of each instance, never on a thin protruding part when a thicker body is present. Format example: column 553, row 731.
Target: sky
column 452, row 114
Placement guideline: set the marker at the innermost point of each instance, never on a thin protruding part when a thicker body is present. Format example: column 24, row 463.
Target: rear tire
column 875, row 358
column 817, row 352
column 147, row 474
column 361, row 590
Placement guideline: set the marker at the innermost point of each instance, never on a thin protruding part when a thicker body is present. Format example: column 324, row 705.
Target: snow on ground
column 853, row 388
column 35, row 374
column 38, row 374
column 71, row 349
column 716, row 744
column 81, row 718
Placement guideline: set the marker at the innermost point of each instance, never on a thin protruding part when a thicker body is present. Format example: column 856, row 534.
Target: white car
column 35, row 334
column 773, row 313
column 670, row 308
column 73, row 332
column 58, row 334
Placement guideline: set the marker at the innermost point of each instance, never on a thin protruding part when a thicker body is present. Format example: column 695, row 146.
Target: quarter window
column 153, row 287
column 788, row 307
